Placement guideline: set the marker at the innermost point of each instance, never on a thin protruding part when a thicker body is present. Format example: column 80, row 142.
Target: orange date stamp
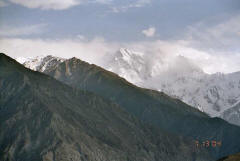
column 208, row 143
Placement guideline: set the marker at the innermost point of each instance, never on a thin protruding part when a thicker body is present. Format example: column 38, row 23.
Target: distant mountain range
column 153, row 108
column 217, row 94
column 179, row 78
column 42, row 119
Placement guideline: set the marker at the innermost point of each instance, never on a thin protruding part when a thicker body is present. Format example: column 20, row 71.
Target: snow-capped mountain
column 178, row 77
column 213, row 94
column 129, row 65
column 40, row 63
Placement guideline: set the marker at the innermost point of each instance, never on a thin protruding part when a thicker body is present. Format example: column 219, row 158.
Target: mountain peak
column 127, row 53
column 6, row 60
column 41, row 63
column 75, row 59
column 2, row 55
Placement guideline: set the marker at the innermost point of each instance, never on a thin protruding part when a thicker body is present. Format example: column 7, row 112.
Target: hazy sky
column 203, row 30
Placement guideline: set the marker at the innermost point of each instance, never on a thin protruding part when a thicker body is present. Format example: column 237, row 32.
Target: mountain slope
column 232, row 115
column 178, row 77
column 43, row 119
column 150, row 106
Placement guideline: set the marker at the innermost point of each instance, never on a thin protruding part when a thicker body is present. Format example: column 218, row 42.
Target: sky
column 205, row 31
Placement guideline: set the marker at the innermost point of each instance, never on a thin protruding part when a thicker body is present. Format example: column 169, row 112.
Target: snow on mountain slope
column 177, row 77
column 211, row 93
column 180, row 78
column 232, row 115
column 129, row 65
column 40, row 63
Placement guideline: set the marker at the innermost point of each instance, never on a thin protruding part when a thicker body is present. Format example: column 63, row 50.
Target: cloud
column 104, row 1
column 167, row 51
column 220, row 37
column 8, row 31
column 97, row 50
column 141, row 3
column 65, row 4
column 81, row 37
column 150, row 32
column 3, row 3
column 47, row 4
column 213, row 49
column 134, row 4
column 91, row 51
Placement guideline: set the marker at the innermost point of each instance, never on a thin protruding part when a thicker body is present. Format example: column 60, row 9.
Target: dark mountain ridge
column 152, row 107
column 43, row 119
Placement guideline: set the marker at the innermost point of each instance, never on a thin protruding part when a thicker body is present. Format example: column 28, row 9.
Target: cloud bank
column 213, row 49
column 97, row 50
column 47, row 4
column 90, row 51
column 66, row 4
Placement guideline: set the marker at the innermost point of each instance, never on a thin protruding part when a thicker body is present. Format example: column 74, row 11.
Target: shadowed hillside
column 150, row 106
column 42, row 119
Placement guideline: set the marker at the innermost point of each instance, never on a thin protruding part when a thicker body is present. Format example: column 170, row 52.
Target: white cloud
column 65, row 4
column 136, row 4
column 91, row 51
column 6, row 31
column 150, row 32
column 47, row 4
column 202, row 46
column 97, row 50
column 81, row 37
column 167, row 50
